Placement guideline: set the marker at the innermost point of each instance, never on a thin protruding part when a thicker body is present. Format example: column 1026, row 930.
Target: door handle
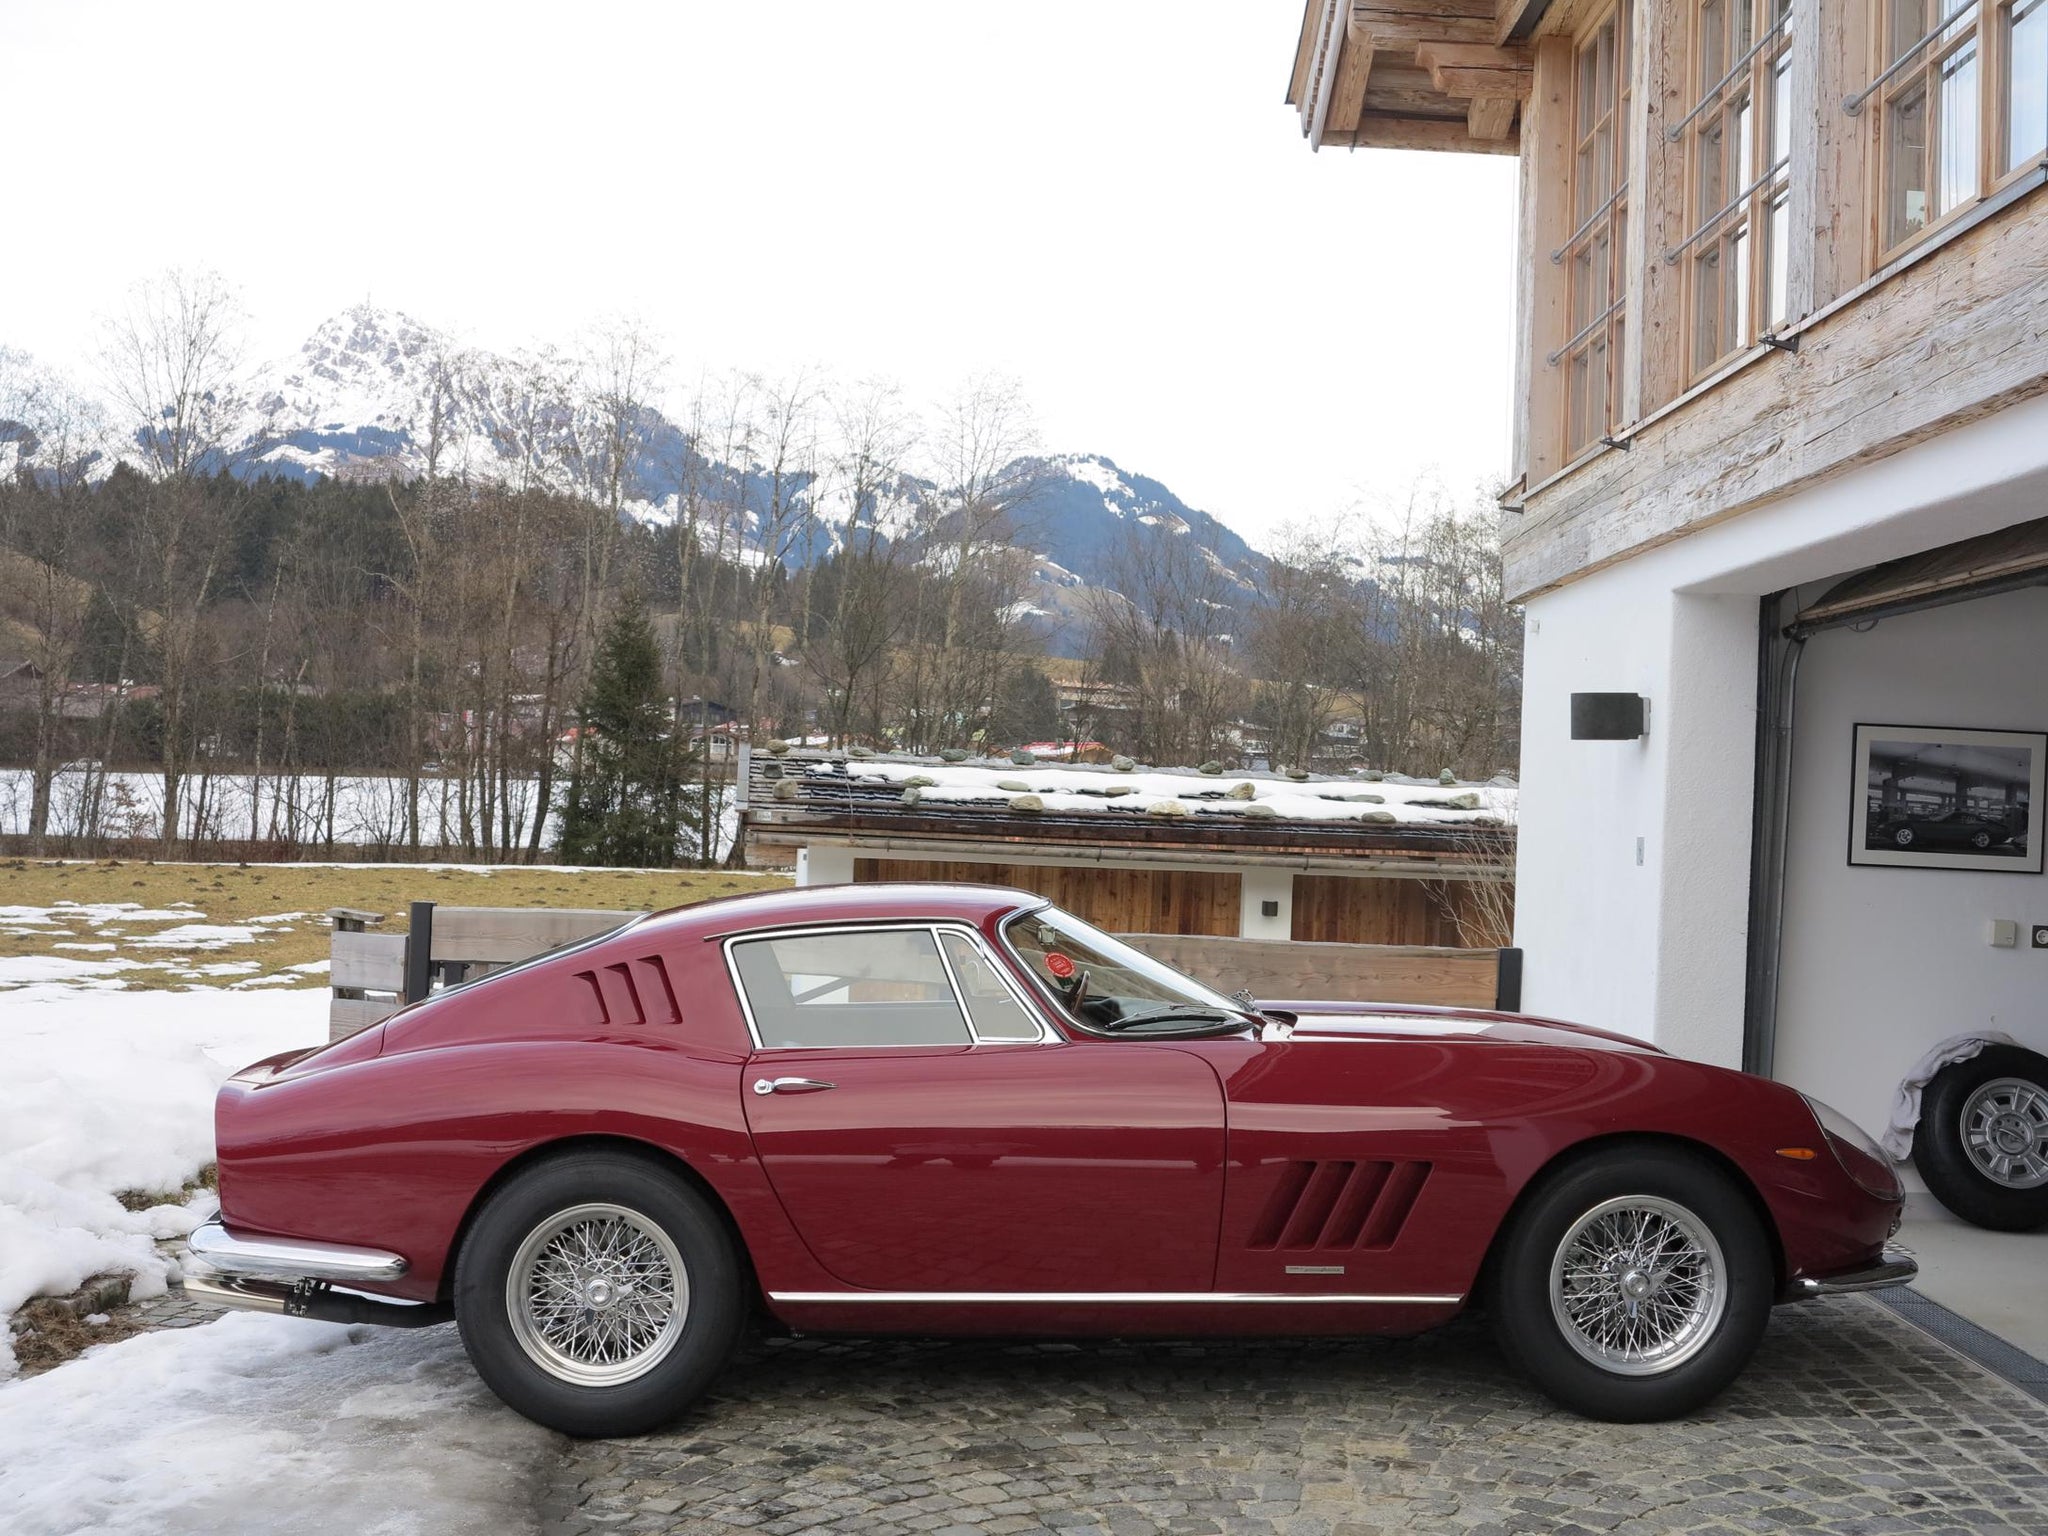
column 789, row 1085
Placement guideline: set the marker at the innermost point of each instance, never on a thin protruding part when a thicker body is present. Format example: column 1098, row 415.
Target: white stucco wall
column 1879, row 964
column 1659, row 948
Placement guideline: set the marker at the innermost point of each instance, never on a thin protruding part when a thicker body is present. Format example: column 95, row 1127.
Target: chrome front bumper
column 297, row 1278
column 1893, row 1267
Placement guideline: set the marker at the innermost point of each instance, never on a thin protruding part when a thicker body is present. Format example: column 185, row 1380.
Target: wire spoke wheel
column 2005, row 1132
column 1638, row 1285
column 597, row 1295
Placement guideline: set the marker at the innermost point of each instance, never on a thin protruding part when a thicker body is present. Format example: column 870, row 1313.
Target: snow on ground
column 105, row 1090
column 368, row 809
column 271, row 1424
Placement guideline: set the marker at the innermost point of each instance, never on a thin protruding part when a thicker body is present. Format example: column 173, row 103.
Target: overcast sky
column 1106, row 198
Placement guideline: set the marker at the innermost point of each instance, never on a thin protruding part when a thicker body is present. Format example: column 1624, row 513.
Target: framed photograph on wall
column 1933, row 798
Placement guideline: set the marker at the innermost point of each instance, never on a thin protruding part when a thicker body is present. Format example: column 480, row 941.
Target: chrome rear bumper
column 1893, row 1267
column 297, row 1279
column 285, row 1258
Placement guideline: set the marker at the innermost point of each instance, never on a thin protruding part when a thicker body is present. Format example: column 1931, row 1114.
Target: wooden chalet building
column 1780, row 471
column 1259, row 856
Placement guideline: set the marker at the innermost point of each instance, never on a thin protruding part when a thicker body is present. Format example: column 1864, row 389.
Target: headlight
column 1860, row 1157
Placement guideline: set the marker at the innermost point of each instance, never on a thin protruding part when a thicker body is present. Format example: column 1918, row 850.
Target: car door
column 926, row 1131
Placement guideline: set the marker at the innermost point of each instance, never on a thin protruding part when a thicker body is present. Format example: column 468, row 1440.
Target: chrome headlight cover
column 1855, row 1150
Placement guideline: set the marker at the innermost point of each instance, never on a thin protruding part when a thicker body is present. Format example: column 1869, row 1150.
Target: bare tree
column 172, row 359
column 875, row 434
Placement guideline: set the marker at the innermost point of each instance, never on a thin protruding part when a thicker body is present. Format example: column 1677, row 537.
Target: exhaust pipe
column 317, row 1300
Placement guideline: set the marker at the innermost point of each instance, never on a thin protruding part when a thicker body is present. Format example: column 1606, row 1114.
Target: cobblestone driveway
column 1848, row 1421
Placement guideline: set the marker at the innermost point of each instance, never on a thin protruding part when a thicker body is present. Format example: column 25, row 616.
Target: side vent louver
column 1339, row 1205
column 630, row 992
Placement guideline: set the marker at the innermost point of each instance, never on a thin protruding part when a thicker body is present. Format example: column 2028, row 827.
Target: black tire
column 1902, row 837
column 653, row 1382
column 1980, row 839
column 1705, row 1355
column 1967, row 1183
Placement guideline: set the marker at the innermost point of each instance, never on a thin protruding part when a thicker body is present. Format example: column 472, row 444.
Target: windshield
column 1106, row 984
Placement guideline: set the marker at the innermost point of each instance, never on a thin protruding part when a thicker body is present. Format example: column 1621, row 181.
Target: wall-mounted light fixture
column 1609, row 716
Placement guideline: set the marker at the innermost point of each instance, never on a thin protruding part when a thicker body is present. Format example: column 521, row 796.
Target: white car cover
column 1898, row 1136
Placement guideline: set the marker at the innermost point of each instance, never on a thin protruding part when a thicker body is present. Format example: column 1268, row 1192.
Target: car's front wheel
column 1633, row 1285
column 598, row 1294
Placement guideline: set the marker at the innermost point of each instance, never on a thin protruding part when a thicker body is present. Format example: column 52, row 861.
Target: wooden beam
column 1516, row 20
column 1471, row 70
column 1436, row 133
column 1490, row 117
column 1304, row 51
column 1402, row 90
column 1347, row 99
column 1393, row 24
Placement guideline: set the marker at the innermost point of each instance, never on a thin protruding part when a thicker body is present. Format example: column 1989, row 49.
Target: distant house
column 1345, row 860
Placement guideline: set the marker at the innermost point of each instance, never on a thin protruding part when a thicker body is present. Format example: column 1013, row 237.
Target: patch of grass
column 294, row 900
column 47, row 1332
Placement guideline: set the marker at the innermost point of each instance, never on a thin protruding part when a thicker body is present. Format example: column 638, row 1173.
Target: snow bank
column 272, row 1424
column 103, row 1091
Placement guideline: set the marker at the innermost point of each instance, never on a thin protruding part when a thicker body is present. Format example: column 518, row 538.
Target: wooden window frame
column 1750, row 73
column 1600, row 232
column 1979, row 25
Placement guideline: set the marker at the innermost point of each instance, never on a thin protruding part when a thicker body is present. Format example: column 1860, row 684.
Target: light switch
column 2002, row 933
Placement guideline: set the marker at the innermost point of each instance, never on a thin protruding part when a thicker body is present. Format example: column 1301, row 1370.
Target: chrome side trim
column 1894, row 1268
column 287, row 1258
column 1108, row 1298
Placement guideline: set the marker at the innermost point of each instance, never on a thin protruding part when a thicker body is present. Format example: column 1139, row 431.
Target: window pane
column 2026, row 85
column 1906, row 211
column 994, row 1007
column 884, row 987
column 1778, row 246
column 1958, row 130
column 1713, row 44
column 1908, row 22
column 1706, row 308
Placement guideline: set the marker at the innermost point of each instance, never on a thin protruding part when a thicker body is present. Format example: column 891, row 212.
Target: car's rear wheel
column 598, row 1294
column 1633, row 1285
column 1982, row 1140
column 1903, row 837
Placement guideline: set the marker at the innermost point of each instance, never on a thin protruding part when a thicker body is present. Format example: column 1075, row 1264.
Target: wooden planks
column 1944, row 341
column 1437, row 133
column 1275, row 971
column 1336, row 909
column 1110, row 896
column 370, row 962
column 498, row 935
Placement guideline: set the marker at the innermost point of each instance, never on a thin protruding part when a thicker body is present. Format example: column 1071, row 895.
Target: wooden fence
column 375, row 974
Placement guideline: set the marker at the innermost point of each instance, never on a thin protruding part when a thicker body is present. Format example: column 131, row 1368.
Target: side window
column 997, row 1013
column 886, row 987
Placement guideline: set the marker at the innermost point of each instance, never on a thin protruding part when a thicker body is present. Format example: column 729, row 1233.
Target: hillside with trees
column 190, row 608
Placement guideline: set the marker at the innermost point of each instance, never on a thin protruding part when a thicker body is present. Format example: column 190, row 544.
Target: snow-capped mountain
column 374, row 393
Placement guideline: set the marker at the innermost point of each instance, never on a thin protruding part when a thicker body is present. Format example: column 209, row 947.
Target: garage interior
column 1856, row 971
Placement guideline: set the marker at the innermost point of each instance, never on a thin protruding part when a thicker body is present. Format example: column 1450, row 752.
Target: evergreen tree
column 628, row 803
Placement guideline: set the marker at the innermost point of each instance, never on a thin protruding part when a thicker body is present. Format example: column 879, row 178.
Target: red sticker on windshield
column 1059, row 965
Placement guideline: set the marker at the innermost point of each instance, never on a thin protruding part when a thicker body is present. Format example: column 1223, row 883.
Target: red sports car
column 954, row 1110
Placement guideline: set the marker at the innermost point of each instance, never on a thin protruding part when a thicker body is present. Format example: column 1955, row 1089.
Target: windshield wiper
column 1176, row 1011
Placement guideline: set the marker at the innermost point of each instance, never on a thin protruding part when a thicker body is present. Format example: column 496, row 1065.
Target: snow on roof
column 1059, row 790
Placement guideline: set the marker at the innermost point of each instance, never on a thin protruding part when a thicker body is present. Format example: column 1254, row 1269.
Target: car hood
column 1318, row 1020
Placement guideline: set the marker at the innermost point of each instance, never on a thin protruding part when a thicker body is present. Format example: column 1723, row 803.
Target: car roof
column 724, row 916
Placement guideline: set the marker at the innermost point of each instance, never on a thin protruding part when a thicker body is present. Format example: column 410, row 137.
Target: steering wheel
column 1078, row 992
